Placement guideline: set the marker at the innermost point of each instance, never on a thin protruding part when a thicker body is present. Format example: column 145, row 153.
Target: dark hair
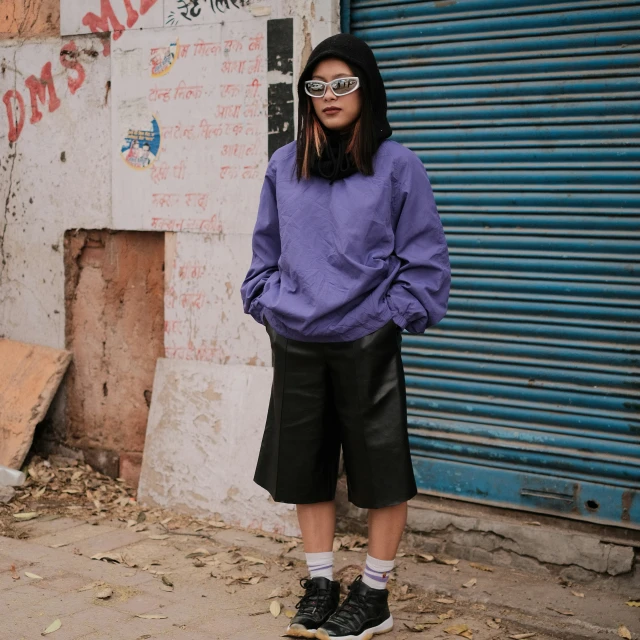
column 312, row 137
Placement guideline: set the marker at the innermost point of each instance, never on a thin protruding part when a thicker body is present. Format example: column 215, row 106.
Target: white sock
column 320, row 564
column 376, row 572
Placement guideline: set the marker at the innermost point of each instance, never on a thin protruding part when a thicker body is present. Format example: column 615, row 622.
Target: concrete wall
column 83, row 81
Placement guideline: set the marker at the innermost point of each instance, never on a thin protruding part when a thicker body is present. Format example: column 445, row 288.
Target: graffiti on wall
column 191, row 12
column 41, row 91
column 109, row 16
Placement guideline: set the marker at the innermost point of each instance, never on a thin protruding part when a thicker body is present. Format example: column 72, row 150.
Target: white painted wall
column 203, row 466
column 55, row 176
column 68, row 171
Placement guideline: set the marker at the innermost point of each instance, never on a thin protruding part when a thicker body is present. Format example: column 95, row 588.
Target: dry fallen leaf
column 422, row 625
column 564, row 612
column 103, row 594
column 470, row 583
column 93, row 585
column 290, row 546
column 577, row 594
column 35, row 576
column 467, row 634
column 482, row 567
column 448, row 615
column 522, row 636
column 444, row 600
column 456, row 629
column 59, row 544
column 336, row 545
column 492, row 624
column 445, row 560
column 162, row 536
column 152, row 616
column 110, row 557
column 166, row 580
column 280, row 592
column 623, row 632
column 26, row 516
column 54, row 626
column 275, row 608
column 634, row 603
column 424, row 557
column 252, row 560
column 289, row 613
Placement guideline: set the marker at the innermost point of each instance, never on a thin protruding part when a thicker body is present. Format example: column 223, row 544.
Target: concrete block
column 204, row 433
column 203, row 314
column 71, row 536
column 620, row 559
column 29, row 377
column 515, row 544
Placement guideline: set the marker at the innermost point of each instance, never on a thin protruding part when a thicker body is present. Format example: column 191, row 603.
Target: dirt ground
column 79, row 551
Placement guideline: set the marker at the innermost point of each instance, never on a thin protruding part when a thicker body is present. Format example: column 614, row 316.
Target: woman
column 348, row 250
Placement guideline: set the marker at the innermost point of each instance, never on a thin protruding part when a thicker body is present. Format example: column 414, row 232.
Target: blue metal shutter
column 526, row 116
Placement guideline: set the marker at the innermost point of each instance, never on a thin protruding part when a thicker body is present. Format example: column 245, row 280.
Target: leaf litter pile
column 60, row 486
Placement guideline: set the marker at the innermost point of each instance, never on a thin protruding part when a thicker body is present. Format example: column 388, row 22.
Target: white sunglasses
column 339, row 86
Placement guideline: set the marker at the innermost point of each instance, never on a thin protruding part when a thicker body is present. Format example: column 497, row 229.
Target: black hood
column 358, row 55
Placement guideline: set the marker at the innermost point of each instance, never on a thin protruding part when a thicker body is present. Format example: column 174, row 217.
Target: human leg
column 371, row 393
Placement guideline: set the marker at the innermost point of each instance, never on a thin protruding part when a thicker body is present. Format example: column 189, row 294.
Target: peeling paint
column 307, row 48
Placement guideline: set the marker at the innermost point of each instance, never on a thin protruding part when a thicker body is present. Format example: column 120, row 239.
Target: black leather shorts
column 328, row 395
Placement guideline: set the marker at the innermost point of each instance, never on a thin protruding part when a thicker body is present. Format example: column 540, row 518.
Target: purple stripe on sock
column 373, row 577
column 328, row 566
column 371, row 570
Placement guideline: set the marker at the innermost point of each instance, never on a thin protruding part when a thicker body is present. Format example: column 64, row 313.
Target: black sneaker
column 363, row 614
column 315, row 607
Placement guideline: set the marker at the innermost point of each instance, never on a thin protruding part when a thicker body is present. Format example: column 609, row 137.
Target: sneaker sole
column 298, row 631
column 384, row 627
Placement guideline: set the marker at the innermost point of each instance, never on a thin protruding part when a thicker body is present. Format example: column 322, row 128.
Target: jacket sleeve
column 419, row 294
column 265, row 245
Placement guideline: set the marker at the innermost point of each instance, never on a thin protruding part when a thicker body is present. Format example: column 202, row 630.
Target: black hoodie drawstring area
column 335, row 164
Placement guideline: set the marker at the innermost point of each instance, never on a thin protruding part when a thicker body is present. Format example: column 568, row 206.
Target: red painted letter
column 38, row 89
column 68, row 59
column 145, row 5
column 132, row 14
column 100, row 23
column 15, row 124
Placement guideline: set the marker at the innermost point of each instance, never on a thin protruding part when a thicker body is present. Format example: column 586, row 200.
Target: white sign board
column 190, row 127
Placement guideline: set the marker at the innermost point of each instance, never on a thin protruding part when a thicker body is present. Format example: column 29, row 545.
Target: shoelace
column 313, row 597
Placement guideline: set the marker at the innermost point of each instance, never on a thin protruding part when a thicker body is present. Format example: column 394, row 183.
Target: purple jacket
column 335, row 262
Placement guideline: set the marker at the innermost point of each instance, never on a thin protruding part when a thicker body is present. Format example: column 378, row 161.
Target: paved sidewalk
column 499, row 604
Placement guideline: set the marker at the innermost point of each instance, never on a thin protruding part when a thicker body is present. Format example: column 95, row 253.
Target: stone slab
column 203, row 437
column 29, row 377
